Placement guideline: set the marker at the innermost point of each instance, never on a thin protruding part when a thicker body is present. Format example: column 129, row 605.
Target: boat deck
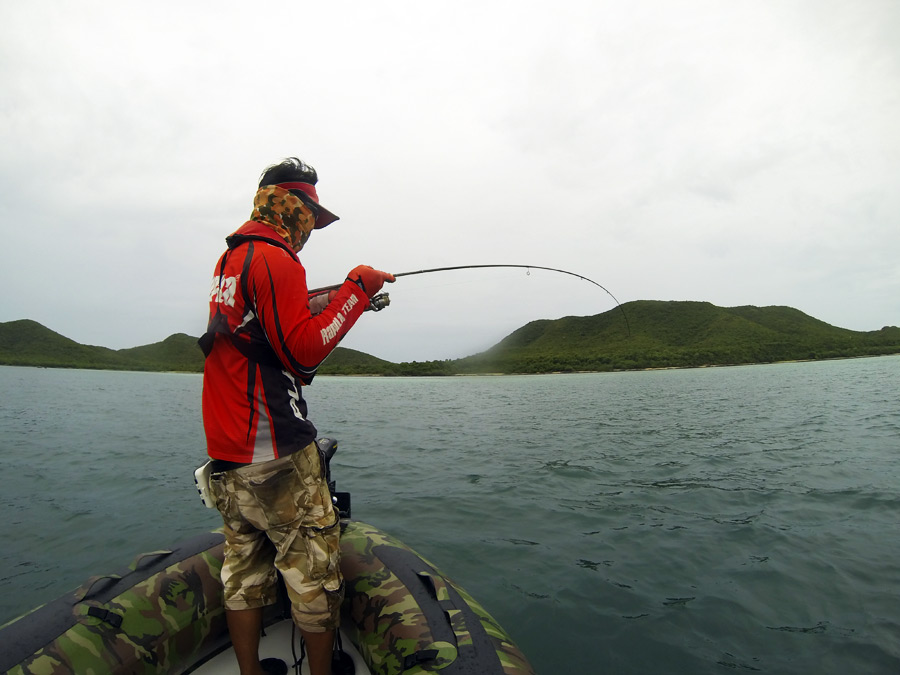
column 276, row 643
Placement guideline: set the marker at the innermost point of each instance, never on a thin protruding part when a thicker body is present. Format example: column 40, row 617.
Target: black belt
column 220, row 465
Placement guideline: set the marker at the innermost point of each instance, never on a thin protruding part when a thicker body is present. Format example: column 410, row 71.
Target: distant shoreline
column 662, row 335
column 624, row 370
column 490, row 374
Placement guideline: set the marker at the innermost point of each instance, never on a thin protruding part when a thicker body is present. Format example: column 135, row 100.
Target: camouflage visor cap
column 285, row 213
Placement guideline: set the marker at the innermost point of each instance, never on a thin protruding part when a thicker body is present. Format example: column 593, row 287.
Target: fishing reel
column 379, row 302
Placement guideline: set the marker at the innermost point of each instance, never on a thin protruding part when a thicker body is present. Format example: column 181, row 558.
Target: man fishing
column 262, row 344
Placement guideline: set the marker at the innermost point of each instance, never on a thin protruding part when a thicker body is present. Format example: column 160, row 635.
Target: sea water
column 677, row 521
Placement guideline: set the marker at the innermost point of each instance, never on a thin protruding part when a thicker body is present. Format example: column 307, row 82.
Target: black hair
column 290, row 170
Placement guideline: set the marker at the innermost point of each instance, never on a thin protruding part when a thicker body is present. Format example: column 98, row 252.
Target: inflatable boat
column 164, row 614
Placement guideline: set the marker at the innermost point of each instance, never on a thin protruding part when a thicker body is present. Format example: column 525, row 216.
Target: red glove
column 368, row 279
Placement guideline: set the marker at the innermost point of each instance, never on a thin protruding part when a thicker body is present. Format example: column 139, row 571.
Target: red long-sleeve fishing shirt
column 262, row 344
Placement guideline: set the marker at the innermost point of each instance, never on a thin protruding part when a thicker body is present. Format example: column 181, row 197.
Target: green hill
column 343, row 361
column 656, row 334
column 177, row 352
column 676, row 334
column 28, row 343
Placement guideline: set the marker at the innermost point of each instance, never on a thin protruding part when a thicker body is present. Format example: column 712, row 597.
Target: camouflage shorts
column 278, row 514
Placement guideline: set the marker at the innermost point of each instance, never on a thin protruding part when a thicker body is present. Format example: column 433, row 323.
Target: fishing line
column 525, row 267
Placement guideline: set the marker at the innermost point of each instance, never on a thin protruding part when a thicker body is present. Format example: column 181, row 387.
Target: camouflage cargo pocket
column 271, row 501
column 323, row 550
column 314, row 498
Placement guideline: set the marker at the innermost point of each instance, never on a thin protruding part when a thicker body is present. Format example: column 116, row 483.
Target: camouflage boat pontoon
column 164, row 614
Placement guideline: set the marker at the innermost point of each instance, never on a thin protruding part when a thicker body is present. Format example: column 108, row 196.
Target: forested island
column 639, row 335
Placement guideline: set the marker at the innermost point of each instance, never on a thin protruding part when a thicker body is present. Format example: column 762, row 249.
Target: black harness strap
column 260, row 352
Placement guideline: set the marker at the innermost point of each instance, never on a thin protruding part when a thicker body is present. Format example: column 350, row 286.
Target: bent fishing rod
column 382, row 300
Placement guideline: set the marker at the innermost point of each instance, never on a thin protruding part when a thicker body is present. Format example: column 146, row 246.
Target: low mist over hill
column 640, row 334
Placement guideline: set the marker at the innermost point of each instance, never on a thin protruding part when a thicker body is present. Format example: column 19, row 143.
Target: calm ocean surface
column 684, row 521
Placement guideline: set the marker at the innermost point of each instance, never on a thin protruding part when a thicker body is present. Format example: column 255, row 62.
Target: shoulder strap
column 236, row 240
column 253, row 351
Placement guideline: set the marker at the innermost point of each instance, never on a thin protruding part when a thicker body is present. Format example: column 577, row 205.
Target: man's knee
column 319, row 611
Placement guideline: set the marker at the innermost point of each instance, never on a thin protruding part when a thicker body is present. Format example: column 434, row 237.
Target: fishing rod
column 384, row 300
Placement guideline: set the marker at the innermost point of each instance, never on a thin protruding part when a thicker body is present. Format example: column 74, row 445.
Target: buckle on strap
column 114, row 620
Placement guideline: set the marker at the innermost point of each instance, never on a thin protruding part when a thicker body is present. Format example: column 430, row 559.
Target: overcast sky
column 741, row 152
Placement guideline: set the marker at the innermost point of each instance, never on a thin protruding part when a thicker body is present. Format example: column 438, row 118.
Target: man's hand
column 319, row 302
column 369, row 280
